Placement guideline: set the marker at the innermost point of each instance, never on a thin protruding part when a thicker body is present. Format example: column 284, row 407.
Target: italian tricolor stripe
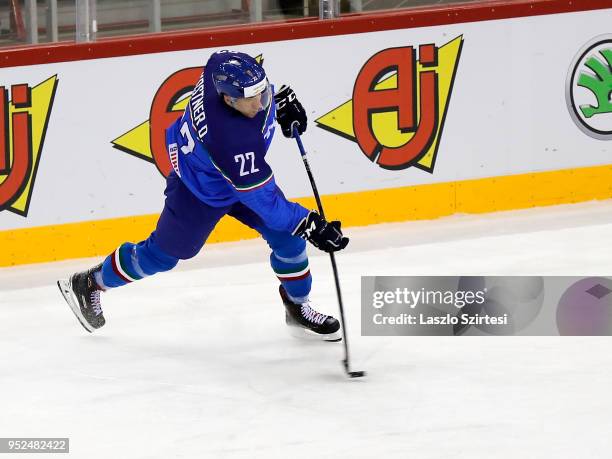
column 255, row 185
column 120, row 267
column 298, row 272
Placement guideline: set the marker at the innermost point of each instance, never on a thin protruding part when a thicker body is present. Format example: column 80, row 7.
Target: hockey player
column 217, row 150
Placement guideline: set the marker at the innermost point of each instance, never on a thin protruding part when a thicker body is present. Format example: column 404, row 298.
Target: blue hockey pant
column 182, row 229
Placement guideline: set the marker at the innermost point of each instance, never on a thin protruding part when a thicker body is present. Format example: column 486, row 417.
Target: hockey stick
column 346, row 361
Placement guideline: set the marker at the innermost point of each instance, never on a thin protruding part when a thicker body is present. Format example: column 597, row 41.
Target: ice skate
column 305, row 322
column 83, row 296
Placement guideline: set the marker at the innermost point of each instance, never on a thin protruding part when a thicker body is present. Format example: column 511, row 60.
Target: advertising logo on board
column 399, row 105
column 24, row 117
column 588, row 88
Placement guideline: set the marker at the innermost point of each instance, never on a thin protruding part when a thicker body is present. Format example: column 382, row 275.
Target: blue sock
column 131, row 262
column 294, row 274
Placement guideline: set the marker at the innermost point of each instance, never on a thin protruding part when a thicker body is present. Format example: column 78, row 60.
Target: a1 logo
column 24, row 117
column 399, row 105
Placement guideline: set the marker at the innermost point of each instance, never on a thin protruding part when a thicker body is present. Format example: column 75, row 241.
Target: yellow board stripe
column 101, row 237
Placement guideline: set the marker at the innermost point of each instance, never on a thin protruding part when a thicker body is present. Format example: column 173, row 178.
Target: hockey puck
column 357, row 374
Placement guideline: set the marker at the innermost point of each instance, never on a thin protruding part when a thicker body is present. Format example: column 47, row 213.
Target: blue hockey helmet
column 239, row 75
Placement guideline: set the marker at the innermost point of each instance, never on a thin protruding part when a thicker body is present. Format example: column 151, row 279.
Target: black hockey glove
column 289, row 111
column 326, row 236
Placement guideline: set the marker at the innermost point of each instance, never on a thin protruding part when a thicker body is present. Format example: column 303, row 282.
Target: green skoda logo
column 588, row 88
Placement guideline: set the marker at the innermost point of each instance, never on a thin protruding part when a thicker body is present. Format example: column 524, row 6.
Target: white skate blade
column 66, row 290
column 304, row 333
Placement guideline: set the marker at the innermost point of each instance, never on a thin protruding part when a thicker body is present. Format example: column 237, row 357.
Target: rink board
column 485, row 125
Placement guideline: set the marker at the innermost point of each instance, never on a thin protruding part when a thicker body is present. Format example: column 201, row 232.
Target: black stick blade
column 357, row 374
column 352, row 374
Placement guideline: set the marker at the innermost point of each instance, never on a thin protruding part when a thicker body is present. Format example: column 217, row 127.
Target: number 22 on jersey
column 244, row 159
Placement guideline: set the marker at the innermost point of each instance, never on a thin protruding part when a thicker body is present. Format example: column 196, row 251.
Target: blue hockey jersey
column 219, row 154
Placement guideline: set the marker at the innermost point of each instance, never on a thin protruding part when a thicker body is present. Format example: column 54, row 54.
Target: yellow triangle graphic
column 136, row 141
column 384, row 125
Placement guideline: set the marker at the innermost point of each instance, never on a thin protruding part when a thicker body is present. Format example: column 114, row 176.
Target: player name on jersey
column 196, row 105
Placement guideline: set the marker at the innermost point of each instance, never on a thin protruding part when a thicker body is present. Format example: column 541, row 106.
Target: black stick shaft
column 331, row 255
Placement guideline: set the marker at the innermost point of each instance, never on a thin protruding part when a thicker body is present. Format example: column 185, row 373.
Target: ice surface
column 198, row 363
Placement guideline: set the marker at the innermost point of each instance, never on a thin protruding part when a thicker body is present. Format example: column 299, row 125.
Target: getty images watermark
column 486, row 305
column 435, row 299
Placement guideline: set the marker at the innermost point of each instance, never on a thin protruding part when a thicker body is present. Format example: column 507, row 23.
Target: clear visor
column 266, row 96
column 262, row 89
